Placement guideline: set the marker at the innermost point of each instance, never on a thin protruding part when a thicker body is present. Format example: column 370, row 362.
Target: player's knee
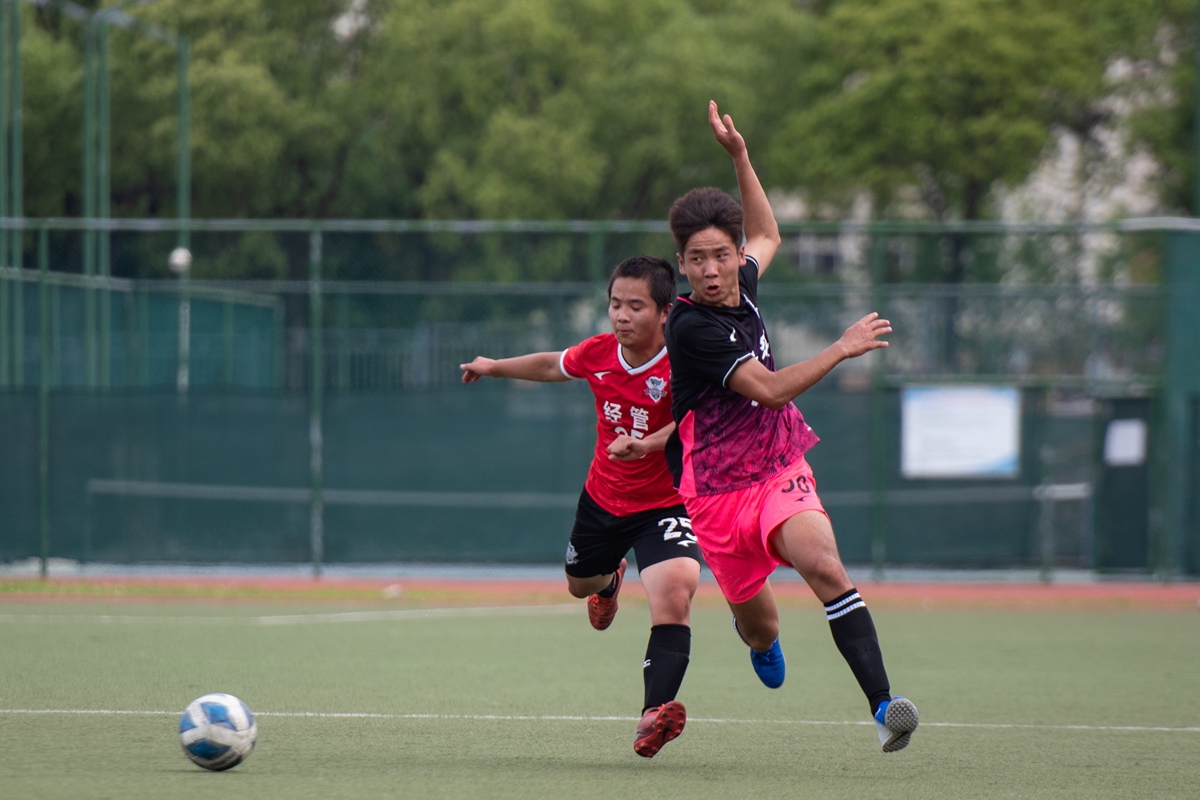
column 825, row 569
column 677, row 604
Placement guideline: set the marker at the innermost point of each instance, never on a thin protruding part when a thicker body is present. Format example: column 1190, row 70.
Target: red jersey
column 635, row 401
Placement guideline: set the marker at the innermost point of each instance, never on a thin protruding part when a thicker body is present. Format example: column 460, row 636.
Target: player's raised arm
column 542, row 367
column 776, row 389
column 762, row 232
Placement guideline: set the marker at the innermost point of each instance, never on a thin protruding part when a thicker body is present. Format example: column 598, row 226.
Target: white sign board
column 960, row 432
column 1125, row 443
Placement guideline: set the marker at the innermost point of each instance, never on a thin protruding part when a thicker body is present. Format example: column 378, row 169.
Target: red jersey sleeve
column 579, row 361
column 569, row 362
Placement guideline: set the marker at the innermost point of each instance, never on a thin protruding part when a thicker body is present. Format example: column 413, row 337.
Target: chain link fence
column 296, row 396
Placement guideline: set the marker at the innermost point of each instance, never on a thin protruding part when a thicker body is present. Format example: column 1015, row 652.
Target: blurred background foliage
column 573, row 109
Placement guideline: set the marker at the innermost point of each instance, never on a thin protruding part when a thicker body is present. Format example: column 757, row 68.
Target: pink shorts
column 733, row 527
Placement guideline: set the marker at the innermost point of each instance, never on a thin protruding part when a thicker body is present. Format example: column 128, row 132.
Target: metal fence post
column 183, row 199
column 3, row 327
column 6, row 10
column 878, row 419
column 228, row 340
column 16, row 142
column 104, row 202
column 317, row 387
column 89, row 202
column 183, row 357
column 1045, row 460
column 18, row 315
column 1179, row 549
column 44, row 399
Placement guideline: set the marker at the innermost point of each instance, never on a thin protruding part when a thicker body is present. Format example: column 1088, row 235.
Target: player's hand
column 626, row 448
column 726, row 134
column 863, row 336
column 477, row 369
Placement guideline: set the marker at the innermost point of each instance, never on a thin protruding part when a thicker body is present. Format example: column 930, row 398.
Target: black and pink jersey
column 725, row 441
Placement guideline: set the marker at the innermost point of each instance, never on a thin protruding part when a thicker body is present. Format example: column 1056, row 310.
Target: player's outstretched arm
column 776, row 389
column 541, row 367
column 762, row 232
column 627, row 448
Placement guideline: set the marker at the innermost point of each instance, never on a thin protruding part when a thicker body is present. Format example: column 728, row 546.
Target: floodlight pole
column 104, row 197
column 12, row 323
column 6, row 11
column 97, row 170
column 183, row 198
column 1196, row 123
column 89, row 202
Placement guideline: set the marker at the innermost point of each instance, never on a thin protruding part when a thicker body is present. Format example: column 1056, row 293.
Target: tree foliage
column 557, row 109
column 950, row 96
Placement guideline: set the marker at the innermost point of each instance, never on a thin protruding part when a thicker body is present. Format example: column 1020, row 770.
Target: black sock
column 854, row 634
column 610, row 590
column 666, row 661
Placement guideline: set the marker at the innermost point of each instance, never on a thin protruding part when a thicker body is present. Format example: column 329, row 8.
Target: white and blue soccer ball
column 218, row 731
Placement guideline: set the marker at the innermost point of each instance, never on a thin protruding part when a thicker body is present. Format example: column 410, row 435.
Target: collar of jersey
column 638, row 370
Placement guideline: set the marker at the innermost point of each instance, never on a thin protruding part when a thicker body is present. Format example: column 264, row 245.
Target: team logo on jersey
column 572, row 556
column 656, row 387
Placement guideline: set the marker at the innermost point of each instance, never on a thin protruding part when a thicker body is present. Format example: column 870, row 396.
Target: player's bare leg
column 670, row 586
column 806, row 541
column 602, row 597
column 757, row 622
column 586, row 587
column 757, row 619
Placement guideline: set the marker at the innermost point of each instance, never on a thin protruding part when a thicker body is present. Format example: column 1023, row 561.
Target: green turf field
column 539, row 705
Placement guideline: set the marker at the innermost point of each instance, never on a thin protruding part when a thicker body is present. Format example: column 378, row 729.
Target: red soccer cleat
column 659, row 725
column 602, row 610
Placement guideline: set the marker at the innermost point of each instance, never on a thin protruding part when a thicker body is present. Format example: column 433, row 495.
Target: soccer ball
column 180, row 260
column 217, row 731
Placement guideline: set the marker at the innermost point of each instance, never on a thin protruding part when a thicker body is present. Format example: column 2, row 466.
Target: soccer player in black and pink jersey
column 629, row 500
column 738, row 452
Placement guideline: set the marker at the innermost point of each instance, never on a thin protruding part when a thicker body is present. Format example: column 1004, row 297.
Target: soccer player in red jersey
column 629, row 499
column 738, row 453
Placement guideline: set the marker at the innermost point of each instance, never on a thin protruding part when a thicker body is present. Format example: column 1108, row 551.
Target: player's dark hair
column 658, row 274
column 704, row 208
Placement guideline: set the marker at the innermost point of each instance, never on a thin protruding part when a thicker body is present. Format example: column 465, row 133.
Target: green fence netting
column 182, row 421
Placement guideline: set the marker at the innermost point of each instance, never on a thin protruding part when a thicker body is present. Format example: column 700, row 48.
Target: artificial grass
column 987, row 667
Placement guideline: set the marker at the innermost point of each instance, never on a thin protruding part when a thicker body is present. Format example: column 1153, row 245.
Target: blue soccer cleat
column 768, row 665
column 895, row 721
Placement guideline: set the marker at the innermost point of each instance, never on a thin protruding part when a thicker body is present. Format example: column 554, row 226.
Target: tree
column 1162, row 34
column 950, row 96
column 564, row 108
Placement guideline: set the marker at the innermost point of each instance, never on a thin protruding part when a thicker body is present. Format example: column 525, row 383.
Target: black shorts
column 600, row 540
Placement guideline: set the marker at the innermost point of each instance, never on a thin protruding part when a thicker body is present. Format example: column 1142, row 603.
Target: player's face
column 636, row 319
column 710, row 262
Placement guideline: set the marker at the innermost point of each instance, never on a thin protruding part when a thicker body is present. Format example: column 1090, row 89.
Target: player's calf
column 602, row 606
